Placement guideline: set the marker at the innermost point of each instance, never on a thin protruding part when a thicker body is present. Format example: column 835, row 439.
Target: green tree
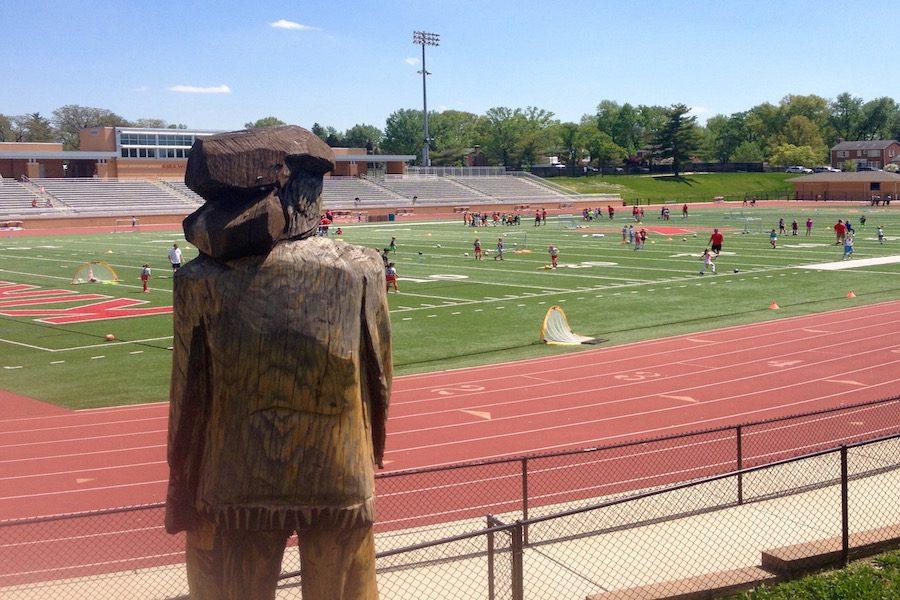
column 150, row 123
column 800, row 131
column 848, row 166
column 789, row 154
column 599, row 145
column 264, row 122
column 361, row 134
column 70, row 119
column 6, row 129
column 846, row 114
column 725, row 135
column 622, row 123
column 877, row 118
column 33, row 127
column 678, row 138
column 568, row 143
column 453, row 132
column 749, row 152
column 403, row 132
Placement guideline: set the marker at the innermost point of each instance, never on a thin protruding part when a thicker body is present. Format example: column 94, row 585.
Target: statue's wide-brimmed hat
column 229, row 167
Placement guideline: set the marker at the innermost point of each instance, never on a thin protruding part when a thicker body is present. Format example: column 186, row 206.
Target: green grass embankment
column 667, row 188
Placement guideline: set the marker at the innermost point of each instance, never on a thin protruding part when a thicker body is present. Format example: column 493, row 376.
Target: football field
column 451, row 311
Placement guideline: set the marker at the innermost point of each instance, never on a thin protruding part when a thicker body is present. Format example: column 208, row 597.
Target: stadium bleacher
column 112, row 196
column 341, row 192
column 16, row 200
column 126, row 197
column 427, row 188
column 504, row 187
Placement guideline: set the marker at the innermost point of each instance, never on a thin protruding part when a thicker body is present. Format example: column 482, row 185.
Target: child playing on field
column 709, row 262
column 794, row 227
column 499, row 249
column 145, row 278
column 554, row 255
column 809, row 225
column 848, row 247
column 773, row 238
column 390, row 276
column 477, row 246
column 624, row 233
column 781, row 226
column 880, row 232
column 393, row 245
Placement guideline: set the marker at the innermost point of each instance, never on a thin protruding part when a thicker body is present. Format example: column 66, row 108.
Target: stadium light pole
column 424, row 38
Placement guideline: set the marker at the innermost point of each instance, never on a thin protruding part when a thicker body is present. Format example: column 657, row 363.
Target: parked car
column 824, row 169
column 798, row 169
column 866, row 168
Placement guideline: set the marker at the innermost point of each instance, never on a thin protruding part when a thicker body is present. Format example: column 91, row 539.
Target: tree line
column 799, row 129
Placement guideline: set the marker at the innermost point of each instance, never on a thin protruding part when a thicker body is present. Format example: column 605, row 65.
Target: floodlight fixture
column 425, row 38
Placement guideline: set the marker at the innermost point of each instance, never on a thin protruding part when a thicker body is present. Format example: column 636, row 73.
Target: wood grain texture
column 226, row 168
column 280, row 386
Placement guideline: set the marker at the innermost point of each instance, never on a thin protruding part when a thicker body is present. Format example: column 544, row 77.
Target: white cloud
column 285, row 24
column 411, row 60
column 193, row 89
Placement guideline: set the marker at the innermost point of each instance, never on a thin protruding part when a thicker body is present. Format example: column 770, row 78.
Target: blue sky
column 348, row 62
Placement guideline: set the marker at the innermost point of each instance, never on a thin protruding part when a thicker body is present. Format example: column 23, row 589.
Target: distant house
column 871, row 153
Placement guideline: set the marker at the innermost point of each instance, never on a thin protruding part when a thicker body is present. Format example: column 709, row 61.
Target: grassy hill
column 662, row 188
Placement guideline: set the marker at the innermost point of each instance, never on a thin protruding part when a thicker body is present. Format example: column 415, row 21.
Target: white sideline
column 840, row 265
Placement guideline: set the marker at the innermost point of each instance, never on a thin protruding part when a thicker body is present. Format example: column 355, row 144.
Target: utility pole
column 424, row 38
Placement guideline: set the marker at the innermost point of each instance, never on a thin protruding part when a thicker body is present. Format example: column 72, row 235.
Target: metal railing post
column 845, row 510
column 518, row 573
column 490, row 552
column 525, row 496
column 739, row 436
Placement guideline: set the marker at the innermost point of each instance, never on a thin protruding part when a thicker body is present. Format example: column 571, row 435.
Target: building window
column 874, row 153
column 124, row 152
column 843, row 154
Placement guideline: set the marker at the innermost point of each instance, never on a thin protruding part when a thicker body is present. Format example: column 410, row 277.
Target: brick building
column 871, row 153
column 142, row 153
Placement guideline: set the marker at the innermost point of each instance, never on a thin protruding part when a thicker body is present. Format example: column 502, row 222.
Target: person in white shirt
column 175, row 257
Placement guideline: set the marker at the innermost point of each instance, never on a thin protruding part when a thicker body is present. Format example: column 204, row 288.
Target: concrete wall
column 98, row 139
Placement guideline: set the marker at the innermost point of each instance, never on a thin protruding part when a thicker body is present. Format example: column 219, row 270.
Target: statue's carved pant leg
column 227, row 564
column 338, row 564
column 335, row 564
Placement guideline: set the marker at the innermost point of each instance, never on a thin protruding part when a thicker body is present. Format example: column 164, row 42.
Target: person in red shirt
column 611, row 211
column 684, row 211
column 544, row 216
column 839, row 232
column 715, row 241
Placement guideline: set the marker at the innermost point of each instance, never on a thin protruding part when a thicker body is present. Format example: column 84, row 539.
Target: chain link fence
column 125, row 553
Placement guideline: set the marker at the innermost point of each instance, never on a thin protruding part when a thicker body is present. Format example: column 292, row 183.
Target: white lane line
column 57, row 362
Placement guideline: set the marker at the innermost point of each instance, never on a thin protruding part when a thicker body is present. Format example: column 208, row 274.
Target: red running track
column 64, row 461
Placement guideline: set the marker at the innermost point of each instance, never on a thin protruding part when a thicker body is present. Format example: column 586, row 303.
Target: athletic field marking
column 815, row 330
column 846, row 381
column 78, row 439
column 57, row 362
column 71, row 491
column 97, row 357
column 105, row 468
column 11, row 368
column 89, row 346
column 681, row 398
column 662, row 362
column 136, row 352
column 854, row 263
column 783, row 363
column 76, row 454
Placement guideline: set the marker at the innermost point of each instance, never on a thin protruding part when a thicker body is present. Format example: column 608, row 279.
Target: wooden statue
column 280, row 380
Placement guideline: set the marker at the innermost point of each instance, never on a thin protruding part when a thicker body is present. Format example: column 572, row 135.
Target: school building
column 146, row 153
column 859, row 185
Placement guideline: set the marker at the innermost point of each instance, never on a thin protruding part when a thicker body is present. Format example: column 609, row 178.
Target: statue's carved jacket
column 280, row 386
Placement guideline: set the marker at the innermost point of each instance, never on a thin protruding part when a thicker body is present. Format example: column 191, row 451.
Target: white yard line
column 854, row 263
column 103, row 345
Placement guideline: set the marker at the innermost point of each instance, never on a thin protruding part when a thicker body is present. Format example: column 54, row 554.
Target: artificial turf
column 453, row 311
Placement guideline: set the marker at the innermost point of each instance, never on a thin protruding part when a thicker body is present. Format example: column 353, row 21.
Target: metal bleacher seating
column 115, row 196
column 341, row 192
column 16, row 200
column 503, row 187
column 179, row 186
column 430, row 188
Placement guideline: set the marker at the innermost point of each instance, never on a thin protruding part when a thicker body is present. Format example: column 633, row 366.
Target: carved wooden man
column 281, row 377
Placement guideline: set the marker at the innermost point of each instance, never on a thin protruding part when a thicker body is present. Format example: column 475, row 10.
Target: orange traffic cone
column 850, row 294
column 774, row 306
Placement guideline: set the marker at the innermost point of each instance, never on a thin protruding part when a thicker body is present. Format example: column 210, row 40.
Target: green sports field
column 452, row 311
